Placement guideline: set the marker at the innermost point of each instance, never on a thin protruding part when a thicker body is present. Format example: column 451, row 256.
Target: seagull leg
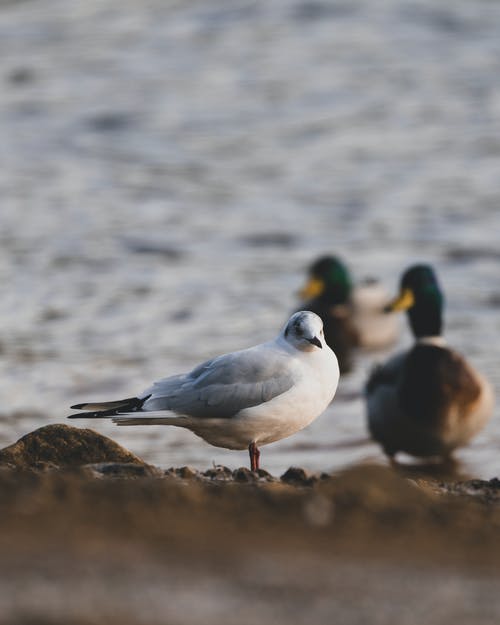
column 257, row 458
column 254, row 456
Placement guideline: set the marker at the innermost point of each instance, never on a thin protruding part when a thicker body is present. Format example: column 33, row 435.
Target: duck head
column 329, row 279
column 422, row 298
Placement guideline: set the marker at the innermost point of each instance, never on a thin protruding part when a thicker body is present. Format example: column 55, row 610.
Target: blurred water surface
column 168, row 169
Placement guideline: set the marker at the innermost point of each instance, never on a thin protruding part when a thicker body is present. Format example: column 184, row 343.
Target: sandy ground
column 97, row 545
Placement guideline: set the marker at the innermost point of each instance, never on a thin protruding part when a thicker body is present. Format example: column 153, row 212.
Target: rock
column 244, row 475
column 58, row 446
column 482, row 490
column 186, row 473
column 219, row 472
column 298, row 476
column 265, row 476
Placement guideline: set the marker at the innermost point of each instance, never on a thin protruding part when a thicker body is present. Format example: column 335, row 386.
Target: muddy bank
column 118, row 542
column 365, row 510
column 61, row 481
column 79, row 546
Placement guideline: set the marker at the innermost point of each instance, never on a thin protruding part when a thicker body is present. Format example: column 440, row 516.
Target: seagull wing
column 221, row 387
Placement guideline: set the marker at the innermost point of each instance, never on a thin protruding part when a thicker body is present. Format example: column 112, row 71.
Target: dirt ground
column 125, row 543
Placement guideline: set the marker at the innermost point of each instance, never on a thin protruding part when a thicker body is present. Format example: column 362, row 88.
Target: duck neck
column 426, row 319
column 336, row 294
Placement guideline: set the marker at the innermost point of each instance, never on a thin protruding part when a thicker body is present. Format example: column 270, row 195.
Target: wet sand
column 131, row 543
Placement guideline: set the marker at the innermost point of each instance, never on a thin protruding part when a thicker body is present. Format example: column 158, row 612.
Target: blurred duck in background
column 353, row 315
column 428, row 400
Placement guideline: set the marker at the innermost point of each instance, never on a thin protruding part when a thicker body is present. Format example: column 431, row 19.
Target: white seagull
column 243, row 399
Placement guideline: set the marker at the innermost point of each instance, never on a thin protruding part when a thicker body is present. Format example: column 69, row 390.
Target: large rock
column 64, row 446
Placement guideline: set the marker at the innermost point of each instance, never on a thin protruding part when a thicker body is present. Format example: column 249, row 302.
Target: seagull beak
column 403, row 301
column 315, row 341
column 311, row 289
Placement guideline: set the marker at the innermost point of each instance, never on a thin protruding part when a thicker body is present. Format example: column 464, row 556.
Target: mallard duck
column 428, row 400
column 352, row 315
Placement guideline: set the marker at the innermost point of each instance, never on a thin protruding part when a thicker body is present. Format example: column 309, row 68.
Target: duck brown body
column 428, row 400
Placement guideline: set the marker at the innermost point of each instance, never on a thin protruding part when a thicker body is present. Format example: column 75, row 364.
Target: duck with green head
column 428, row 400
column 352, row 314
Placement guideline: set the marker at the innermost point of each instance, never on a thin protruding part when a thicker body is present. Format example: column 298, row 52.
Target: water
column 168, row 169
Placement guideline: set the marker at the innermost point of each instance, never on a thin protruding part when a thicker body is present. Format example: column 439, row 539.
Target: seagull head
column 304, row 331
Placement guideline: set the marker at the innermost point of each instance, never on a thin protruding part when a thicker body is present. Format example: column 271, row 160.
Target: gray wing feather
column 221, row 387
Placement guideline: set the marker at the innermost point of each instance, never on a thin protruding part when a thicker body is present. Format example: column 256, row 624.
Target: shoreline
column 126, row 542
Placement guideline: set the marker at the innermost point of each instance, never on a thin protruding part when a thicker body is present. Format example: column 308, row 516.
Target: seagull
column 243, row 399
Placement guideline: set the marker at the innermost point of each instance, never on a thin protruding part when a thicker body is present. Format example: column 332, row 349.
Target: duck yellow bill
column 312, row 288
column 403, row 301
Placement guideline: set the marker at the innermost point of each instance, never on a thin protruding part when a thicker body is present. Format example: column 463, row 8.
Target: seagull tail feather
column 98, row 410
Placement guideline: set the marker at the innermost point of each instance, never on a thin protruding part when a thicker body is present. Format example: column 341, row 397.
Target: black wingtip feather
column 99, row 414
column 133, row 404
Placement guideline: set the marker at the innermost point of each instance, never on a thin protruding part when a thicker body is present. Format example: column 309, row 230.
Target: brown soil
column 87, row 544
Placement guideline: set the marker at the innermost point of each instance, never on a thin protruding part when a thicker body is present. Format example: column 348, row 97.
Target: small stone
column 295, row 475
column 265, row 475
column 186, row 473
column 477, row 484
column 243, row 475
column 219, row 472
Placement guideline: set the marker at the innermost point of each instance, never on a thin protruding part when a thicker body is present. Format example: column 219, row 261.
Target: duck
column 353, row 314
column 428, row 400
